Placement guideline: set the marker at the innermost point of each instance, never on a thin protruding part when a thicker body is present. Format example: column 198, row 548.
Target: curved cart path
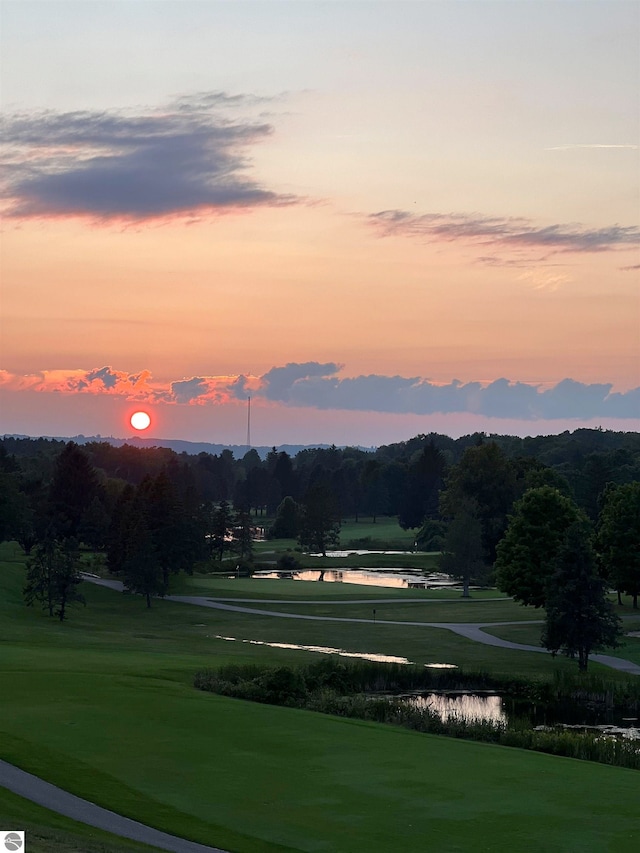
column 45, row 794
column 470, row 630
column 51, row 797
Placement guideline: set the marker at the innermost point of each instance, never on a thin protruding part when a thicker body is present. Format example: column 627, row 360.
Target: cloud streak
column 186, row 159
column 505, row 232
column 318, row 385
column 628, row 145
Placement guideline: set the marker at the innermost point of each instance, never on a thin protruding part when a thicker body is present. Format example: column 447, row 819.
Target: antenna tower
column 249, row 422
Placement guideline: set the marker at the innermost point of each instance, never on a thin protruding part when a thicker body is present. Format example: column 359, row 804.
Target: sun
column 140, row 420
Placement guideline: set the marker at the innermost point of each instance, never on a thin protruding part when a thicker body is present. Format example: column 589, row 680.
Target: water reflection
column 629, row 733
column 357, row 553
column 394, row 578
column 325, row 650
column 467, row 707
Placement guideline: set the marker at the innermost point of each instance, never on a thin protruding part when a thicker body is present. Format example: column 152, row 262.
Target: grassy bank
column 629, row 647
column 48, row 832
column 104, row 706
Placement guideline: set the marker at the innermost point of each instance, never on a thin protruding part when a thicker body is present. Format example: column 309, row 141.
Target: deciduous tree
column 527, row 553
column 579, row 617
column 618, row 538
column 52, row 577
column 484, row 474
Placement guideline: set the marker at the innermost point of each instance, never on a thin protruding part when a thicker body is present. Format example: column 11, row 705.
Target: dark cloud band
column 322, row 389
column 317, row 385
column 188, row 158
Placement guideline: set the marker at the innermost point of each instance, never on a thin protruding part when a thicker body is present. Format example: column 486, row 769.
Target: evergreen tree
column 375, row 497
column 93, row 529
column 118, row 530
column 142, row 569
column 287, row 521
column 424, row 479
column 462, row 552
column 221, row 534
column 75, row 484
column 40, row 571
column 320, row 526
column 14, row 508
column 243, row 536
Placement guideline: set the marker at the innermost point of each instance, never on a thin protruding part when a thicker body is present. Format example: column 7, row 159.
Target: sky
column 375, row 219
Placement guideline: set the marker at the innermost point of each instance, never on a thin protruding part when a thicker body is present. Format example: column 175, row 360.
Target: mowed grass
column 48, row 832
column 384, row 534
column 629, row 647
column 429, row 610
column 299, row 591
column 424, row 561
column 383, row 530
column 103, row 706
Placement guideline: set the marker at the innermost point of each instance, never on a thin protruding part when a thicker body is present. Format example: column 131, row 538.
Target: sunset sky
column 377, row 219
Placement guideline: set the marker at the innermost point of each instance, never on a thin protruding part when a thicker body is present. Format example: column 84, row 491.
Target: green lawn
column 420, row 560
column 103, row 706
column 629, row 649
column 384, row 534
column 430, row 610
column 283, row 589
column 48, row 832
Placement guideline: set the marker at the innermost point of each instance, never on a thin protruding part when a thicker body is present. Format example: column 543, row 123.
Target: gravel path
column 44, row 794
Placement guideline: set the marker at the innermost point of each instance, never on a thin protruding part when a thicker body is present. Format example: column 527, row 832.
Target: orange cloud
column 318, row 386
column 138, row 387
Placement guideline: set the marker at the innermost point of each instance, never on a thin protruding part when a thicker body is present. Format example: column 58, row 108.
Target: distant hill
column 180, row 446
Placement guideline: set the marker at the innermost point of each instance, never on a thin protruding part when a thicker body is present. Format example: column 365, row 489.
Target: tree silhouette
column 618, row 538
column 579, row 617
column 527, row 553
column 320, row 528
column 74, row 486
column 52, row 577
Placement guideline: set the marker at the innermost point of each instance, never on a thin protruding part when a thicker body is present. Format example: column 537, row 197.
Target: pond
column 391, row 578
column 491, row 707
column 358, row 553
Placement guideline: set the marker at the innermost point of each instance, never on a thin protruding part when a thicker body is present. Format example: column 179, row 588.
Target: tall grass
column 353, row 690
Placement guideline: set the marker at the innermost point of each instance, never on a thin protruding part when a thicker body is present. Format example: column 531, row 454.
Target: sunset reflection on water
column 471, row 708
column 394, row 578
column 325, row 650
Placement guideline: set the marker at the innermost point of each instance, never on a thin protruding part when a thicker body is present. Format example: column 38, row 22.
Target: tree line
column 533, row 511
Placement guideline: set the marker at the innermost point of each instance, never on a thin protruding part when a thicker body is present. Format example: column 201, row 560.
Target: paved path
column 47, row 795
column 470, row 630
column 44, row 794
